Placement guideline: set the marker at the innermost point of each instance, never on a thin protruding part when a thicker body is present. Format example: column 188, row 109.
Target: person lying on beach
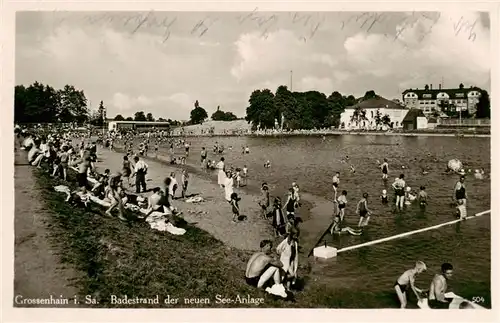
column 337, row 228
column 261, row 266
column 407, row 281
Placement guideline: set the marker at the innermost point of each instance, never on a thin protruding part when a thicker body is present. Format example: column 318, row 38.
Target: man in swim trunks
column 438, row 287
column 399, row 190
column 407, row 280
column 261, row 266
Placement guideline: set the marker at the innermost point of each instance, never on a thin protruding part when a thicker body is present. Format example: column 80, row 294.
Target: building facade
column 395, row 111
column 430, row 100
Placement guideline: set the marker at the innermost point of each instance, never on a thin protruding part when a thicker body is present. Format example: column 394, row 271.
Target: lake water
column 311, row 162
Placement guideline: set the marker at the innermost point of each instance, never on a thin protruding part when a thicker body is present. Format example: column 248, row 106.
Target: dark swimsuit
column 254, row 281
column 460, row 193
column 435, row 304
column 384, row 170
column 402, row 287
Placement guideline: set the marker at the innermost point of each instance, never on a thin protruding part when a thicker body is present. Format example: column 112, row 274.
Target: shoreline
column 337, row 133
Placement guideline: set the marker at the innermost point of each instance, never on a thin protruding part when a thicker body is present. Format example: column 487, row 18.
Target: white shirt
column 140, row 165
column 220, row 165
column 172, row 183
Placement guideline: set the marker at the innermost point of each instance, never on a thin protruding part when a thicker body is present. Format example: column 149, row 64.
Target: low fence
column 465, row 122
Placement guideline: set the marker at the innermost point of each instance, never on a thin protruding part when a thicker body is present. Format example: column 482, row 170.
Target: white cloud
column 139, row 71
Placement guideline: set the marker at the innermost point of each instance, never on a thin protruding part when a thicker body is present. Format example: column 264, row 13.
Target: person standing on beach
column 221, row 176
column 173, row 185
column 264, row 200
column 184, row 182
column 342, row 203
column 186, row 146
column 140, row 170
column 203, row 156
column 126, row 169
column 228, row 186
column 234, row 206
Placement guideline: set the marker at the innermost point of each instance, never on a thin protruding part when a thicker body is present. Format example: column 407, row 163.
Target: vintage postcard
column 334, row 160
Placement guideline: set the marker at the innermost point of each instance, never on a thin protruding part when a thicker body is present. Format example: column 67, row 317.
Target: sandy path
column 37, row 270
column 245, row 235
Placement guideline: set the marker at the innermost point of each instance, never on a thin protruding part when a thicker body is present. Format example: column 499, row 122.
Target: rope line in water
column 410, row 233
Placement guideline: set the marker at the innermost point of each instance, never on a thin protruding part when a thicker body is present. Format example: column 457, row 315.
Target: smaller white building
column 394, row 110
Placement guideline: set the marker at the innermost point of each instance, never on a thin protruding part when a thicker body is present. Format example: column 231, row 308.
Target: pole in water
column 329, row 252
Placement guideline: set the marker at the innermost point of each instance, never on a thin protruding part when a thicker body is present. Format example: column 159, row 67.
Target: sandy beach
column 214, row 215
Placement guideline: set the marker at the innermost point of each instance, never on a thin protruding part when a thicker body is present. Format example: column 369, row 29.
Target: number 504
column 478, row 299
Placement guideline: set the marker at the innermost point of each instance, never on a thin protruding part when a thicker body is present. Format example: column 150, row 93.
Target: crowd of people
column 267, row 267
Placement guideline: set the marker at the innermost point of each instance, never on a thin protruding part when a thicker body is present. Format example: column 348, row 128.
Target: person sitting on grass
column 261, row 266
column 155, row 202
column 103, row 180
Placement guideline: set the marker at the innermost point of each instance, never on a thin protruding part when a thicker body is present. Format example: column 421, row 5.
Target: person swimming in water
column 383, row 197
column 422, row 197
column 407, row 281
column 337, row 228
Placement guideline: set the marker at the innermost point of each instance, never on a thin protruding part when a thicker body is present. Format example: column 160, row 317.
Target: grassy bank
column 116, row 258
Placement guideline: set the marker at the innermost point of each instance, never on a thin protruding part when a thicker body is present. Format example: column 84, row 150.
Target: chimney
column 431, row 86
column 440, row 86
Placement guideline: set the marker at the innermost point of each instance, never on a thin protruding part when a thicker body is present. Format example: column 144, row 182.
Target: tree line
column 41, row 103
column 296, row 110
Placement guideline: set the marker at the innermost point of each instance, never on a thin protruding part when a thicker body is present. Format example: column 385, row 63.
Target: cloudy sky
column 161, row 62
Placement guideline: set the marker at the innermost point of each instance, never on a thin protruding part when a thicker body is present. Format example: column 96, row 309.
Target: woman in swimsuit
column 363, row 211
column 406, row 281
column 291, row 202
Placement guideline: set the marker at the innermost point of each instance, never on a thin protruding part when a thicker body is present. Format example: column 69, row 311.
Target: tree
column 149, row 117
column 218, row 115
column 129, row 119
column 73, row 105
column 102, row 113
column 386, row 120
column 43, row 104
column 358, row 115
column 119, row 117
column 139, row 116
column 198, row 115
column 378, row 118
column 483, row 105
column 261, row 112
column 369, row 95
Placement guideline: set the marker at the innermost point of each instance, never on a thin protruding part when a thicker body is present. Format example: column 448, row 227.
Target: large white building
column 394, row 110
column 428, row 99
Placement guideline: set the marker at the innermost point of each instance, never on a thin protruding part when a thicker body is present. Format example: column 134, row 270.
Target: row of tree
column 199, row 115
column 39, row 103
column 296, row 110
column 141, row 116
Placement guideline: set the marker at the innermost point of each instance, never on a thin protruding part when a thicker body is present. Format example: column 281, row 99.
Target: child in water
column 422, row 197
column 383, row 197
